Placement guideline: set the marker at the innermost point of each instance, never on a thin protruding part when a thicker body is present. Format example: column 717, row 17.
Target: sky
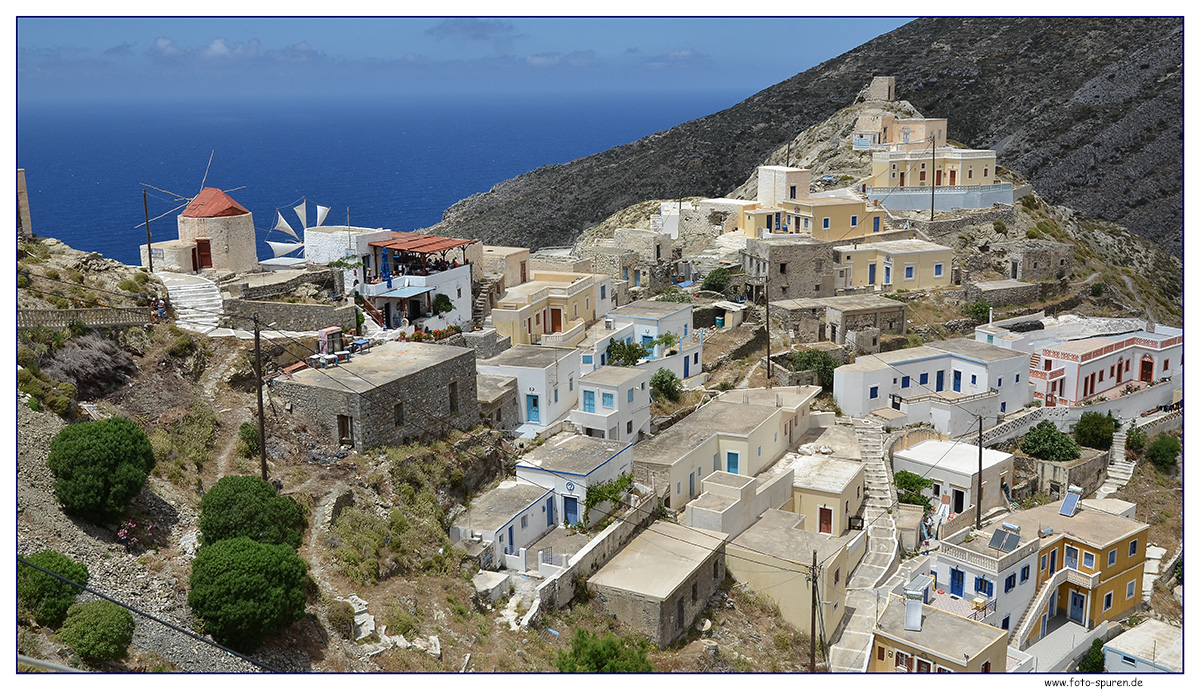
column 66, row 59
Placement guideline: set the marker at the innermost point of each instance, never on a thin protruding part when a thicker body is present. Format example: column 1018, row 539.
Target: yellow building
column 901, row 264
column 933, row 166
column 553, row 308
column 1089, row 566
column 828, row 491
column 940, row 643
column 784, row 205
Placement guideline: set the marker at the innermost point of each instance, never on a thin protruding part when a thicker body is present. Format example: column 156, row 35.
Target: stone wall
column 1088, row 471
column 881, row 89
column 1036, row 259
column 785, row 376
column 650, row 246
column 288, row 317
column 486, row 343
column 809, row 271
column 945, row 231
column 557, row 262
column 999, row 297
column 424, row 398
column 326, row 278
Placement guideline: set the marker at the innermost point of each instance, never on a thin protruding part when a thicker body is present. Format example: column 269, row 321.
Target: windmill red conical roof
column 213, row 203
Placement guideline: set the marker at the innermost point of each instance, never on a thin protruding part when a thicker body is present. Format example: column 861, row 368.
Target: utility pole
column 149, row 247
column 932, row 176
column 812, row 624
column 258, row 381
column 767, row 291
column 979, row 488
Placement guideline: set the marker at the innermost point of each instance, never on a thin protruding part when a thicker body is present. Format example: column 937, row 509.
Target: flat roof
column 1096, row 527
column 885, row 360
column 843, row 303
column 572, row 454
column 822, row 472
column 490, row 388
column 897, row 247
column 613, row 376
column 345, row 229
column 532, row 356
column 953, row 455
column 949, row 635
column 385, row 363
column 711, row 501
column 1153, row 641
column 969, row 347
column 736, row 481
column 786, row 239
column 776, row 534
column 714, row 417
column 780, row 396
column 501, row 250
column 1000, row 284
column 490, row 511
column 659, row 560
column 649, row 309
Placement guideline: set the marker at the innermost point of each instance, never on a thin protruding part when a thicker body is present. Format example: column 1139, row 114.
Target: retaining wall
column 289, row 317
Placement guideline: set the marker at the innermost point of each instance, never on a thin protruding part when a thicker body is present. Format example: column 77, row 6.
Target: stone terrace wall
column 288, row 317
column 941, row 230
column 325, row 278
column 1020, row 294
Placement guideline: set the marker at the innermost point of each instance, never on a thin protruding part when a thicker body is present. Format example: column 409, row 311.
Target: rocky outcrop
column 1089, row 109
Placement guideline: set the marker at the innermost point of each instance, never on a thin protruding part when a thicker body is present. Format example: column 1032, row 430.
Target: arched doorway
column 1147, row 371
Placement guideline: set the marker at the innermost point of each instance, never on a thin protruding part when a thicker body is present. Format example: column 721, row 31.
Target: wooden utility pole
column 932, row 176
column 149, row 247
column 258, row 381
column 979, row 479
column 767, row 292
column 812, row 624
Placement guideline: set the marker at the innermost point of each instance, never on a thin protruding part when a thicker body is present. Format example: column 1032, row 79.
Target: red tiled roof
column 213, row 203
column 420, row 244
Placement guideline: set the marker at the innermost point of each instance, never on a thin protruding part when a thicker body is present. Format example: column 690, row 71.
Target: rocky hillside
column 1090, row 110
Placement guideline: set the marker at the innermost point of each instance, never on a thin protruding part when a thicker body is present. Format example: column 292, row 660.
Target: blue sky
column 86, row 59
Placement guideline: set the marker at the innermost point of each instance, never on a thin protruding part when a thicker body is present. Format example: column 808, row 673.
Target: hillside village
column 882, row 409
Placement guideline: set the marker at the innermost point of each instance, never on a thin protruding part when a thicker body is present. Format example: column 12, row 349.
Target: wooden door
column 826, row 520
column 204, row 253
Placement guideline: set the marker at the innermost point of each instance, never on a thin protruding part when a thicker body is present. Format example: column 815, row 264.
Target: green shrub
column 249, row 507
column 99, row 467
column 1135, row 439
column 243, row 590
column 1097, row 289
column 182, row 344
column 604, row 654
column 1163, row 451
column 23, row 280
column 674, row 294
column 441, row 304
column 818, row 361
column 716, row 280
column 51, row 274
column 129, row 286
column 978, row 311
column 666, row 383
column 248, row 433
column 46, row 597
column 1093, row 659
column 141, row 277
column 341, row 619
column 1046, row 442
column 98, row 631
column 1095, row 430
column 1000, row 227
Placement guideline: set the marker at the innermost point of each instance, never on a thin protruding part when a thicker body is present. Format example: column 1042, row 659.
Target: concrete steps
column 196, row 301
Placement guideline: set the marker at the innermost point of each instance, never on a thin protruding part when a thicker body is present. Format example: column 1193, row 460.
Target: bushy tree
column 99, row 467
column 716, row 280
column 1163, row 451
column 441, row 304
column 98, row 631
column 909, row 488
column 1093, row 658
column 818, row 361
column 341, row 618
column 978, row 311
column 1046, row 442
column 249, row 507
column 1135, row 439
column 46, row 597
column 667, row 384
column 623, row 354
column 248, row 434
column 604, row 654
column 1095, row 430
column 243, row 590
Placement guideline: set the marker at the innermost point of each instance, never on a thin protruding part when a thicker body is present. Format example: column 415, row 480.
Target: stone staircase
column 1120, row 470
column 481, row 307
column 850, row 653
column 196, row 301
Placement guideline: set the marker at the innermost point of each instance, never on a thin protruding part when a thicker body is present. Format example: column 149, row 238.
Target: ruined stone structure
column 1000, row 293
column 834, row 318
column 790, row 267
column 1031, row 260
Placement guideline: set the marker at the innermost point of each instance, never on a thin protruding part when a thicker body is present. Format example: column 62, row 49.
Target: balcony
column 568, row 338
column 990, row 563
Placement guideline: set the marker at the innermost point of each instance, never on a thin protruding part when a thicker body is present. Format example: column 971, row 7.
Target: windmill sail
column 301, row 211
column 322, row 211
column 283, row 226
column 281, row 248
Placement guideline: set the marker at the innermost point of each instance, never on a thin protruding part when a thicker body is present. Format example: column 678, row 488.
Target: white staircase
column 1120, row 470
column 196, row 301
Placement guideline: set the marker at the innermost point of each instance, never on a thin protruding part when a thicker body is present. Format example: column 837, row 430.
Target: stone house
column 833, row 318
column 397, row 392
column 1033, row 260
column 497, row 396
column 788, row 267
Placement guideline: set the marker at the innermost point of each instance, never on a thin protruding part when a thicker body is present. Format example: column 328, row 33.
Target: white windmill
column 281, row 224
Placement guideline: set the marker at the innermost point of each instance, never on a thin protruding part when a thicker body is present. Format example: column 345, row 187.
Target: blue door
column 887, row 274
column 508, row 548
column 589, row 401
column 571, row 509
column 870, row 274
column 646, row 340
column 941, row 381
column 686, row 369
column 731, row 462
column 692, row 484
column 1076, row 612
column 550, row 512
column 956, row 582
column 957, row 381
column 1053, row 562
column 532, row 412
column 876, row 225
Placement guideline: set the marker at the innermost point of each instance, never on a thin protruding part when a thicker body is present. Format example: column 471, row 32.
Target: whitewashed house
column 651, row 320
column 614, row 403
column 506, row 520
column 547, row 383
column 953, row 467
column 568, row 464
column 986, row 577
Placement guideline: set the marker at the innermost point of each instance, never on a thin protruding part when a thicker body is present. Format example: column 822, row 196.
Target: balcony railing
column 992, row 564
column 941, row 188
column 938, row 396
column 567, row 338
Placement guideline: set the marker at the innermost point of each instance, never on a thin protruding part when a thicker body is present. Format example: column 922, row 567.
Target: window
column 999, row 382
column 1108, row 601
column 1003, row 408
column 783, row 267
column 973, row 379
column 837, row 576
column 643, row 385
column 606, row 400
column 570, row 383
column 924, row 378
column 986, row 667
column 696, row 358
column 524, row 521
column 678, row 488
column 760, row 451
column 874, row 392
column 1043, row 566
column 587, row 359
column 629, row 427
column 881, row 654
column 1133, row 548
column 904, row 381
column 716, row 570
column 1112, row 557
column 983, row 586
column 603, row 290
column 910, row 271
column 903, row 660
column 1129, row 589
column 1004, row 623
column 589, row 401
column 685, row 327
column 985, row 171
column 922, row 173
column 1128, row 660
column 537, row 318
column 398, row 414
column 693, row 591
column 938, row 269
column 452, row 389
column 854, row 221
column 1024, row 574
column 792, row 192
column 1018, row 379
column 1166, row 363
column 1089, row 560
column 970, row 173
column 556, row 394
column 825, row 223
column 1010, row 583
column 629, row 395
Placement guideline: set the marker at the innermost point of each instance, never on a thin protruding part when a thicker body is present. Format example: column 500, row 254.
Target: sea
column 395, row 164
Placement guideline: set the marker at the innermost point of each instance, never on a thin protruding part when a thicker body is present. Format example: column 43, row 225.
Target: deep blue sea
column 393, row 165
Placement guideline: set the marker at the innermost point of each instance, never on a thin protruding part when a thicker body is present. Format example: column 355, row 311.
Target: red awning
column 418, row 243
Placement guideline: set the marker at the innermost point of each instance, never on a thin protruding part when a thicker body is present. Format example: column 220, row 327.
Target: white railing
column 567, row 338
column 993, row 564
column 941, row 189
column 946, row 154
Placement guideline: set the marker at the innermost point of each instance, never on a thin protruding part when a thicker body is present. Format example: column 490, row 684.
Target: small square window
column 937, row 270
column 904, row 382
column 924, row 378
column 825, row 223
column 1108, row 601
column 606, row 400
column 973, row 379
column 629, row 427
column 1089, row 560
